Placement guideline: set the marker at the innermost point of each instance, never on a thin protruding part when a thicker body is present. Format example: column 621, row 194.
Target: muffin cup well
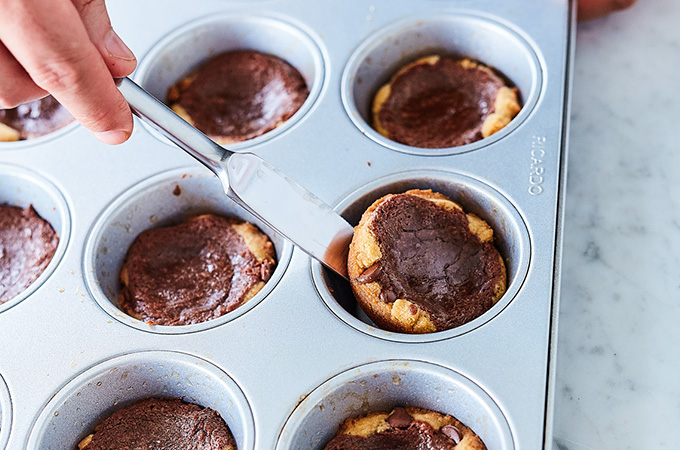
column 14, row 145
column 5, row 413
column 163, row 200
column 22, row 187
column 382, row 385
column 73, row 412
column 511, row 238
column 186, row 48
column 481, row 38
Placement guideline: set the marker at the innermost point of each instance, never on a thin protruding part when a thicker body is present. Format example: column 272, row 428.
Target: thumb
column 118, row 57
column 592, row 9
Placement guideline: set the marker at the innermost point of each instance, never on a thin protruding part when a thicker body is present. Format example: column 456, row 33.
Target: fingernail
column 117, row 48
column 113, row 137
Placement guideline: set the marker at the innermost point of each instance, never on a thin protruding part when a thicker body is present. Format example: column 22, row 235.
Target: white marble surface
column 619, row 331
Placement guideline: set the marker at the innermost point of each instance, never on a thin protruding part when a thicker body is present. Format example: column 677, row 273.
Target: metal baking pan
column 288, row 367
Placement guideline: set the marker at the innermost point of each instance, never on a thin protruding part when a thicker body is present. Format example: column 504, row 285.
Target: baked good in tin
column 239, row 95
column 157, row 423
column 33, row 119
column 27, row 245
column 439, row 102
column 418, row 263
column 405, row 429
column 195, row 271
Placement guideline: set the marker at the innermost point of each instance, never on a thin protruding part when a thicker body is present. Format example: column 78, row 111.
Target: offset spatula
column 256, row 185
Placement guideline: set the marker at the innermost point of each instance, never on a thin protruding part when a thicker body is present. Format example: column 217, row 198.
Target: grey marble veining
column 619, row 334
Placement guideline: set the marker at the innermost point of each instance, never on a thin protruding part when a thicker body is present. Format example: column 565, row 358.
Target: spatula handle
column 172, row 126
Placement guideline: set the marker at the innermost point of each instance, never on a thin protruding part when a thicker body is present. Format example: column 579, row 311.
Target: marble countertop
column 619, row 334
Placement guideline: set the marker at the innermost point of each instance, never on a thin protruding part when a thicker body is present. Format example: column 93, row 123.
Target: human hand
column 66, row 48
column 592, row 9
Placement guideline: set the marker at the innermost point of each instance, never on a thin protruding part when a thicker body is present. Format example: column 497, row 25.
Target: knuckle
column 97, row 118
column 60, row 75
column 105, row 116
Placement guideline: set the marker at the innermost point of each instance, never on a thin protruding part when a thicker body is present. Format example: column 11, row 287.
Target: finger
column 16, row 87
column 118, row 57
column 62, row 60
column 592, row 9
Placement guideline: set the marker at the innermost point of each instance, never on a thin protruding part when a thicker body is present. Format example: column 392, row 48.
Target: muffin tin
column 286, row 368
column 120, row 381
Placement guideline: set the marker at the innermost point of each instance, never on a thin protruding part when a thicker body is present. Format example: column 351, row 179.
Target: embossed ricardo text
column 536, row 170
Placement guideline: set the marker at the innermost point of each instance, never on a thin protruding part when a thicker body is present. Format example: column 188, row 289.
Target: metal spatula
column 256, row 185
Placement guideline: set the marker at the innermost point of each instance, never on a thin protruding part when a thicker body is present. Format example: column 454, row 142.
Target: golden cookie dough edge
column 506, row 107
column 402, row 315
column 85, row 442
column 8, row 134
column 376, row 422
column 506, row 104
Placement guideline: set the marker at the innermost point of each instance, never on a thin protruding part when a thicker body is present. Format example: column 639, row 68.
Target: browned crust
column 376, row 422
column 173, row 96
column 88, row 439
column 256, row 241
column 401, row 315
column 506, row 104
